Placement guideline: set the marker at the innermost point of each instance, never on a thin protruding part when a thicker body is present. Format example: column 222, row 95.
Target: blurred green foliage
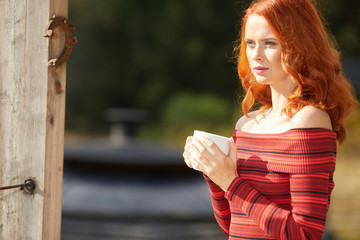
column 343, row 20
column 159, row 55
column 137, row 54
column 184, row 112
column 350, row 149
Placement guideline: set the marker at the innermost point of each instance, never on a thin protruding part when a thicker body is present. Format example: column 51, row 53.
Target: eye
column 270, row 43
column 250, row 43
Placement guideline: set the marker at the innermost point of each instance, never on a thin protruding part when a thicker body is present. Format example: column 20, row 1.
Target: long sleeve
column 306, row 220
column 220, row 206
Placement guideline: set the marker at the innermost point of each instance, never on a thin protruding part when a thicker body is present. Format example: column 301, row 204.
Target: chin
column 263, row 80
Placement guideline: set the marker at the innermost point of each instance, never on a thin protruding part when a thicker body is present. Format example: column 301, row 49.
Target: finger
column 200, row 151
column 211, row 145
column 188, row 162
column 188, row 142
column 196, row 164
column 186, row 155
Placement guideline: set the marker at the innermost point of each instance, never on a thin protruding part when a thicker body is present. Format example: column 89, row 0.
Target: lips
column 260, row 70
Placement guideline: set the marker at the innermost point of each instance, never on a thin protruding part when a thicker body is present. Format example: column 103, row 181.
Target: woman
column 277, row 179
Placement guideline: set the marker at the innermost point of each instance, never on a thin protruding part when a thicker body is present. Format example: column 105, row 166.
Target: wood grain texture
column 55, row 121
column 31, row 121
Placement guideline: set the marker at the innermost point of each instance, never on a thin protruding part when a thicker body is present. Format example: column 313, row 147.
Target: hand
column 221, row 169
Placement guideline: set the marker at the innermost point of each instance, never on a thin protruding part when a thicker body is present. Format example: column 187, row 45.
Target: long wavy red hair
column 308, row 55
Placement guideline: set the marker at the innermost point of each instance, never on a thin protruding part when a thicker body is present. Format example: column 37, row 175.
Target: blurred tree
column 185, row 111
column 135, row 53
column 343, row 20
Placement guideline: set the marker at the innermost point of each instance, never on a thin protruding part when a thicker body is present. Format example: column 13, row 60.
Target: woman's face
column 263, row 52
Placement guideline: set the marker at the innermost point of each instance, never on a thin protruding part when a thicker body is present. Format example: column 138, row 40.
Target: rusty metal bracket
column 62, row 22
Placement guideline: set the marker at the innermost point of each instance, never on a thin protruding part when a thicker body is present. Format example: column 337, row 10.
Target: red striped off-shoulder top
column 283, row 188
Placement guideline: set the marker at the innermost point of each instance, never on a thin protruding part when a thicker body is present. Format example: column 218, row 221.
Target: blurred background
column 142, row 77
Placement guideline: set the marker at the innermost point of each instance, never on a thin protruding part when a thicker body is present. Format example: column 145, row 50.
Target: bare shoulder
column 245, row 122
column 311, row 117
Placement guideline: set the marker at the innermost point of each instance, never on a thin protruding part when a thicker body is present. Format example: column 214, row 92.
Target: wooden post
column 32, row 113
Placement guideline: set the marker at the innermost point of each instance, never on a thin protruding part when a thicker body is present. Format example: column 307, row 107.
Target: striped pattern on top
column 283, row 188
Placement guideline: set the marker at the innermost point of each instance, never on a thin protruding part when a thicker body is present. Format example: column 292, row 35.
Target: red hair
column 308, row 55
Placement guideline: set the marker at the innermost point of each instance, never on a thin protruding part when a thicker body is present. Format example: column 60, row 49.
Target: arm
column 220, row 206
column 219, row 202
column 306, row 219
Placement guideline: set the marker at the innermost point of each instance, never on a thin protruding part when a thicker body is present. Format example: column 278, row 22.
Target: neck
column 279, row 96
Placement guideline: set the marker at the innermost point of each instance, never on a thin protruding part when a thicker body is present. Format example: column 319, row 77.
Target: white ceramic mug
column 220, row 141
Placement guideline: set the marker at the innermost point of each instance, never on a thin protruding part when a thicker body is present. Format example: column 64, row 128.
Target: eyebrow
column 273, row 39
column 265, row 39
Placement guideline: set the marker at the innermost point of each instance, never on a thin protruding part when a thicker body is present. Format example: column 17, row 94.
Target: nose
column 258, row 53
